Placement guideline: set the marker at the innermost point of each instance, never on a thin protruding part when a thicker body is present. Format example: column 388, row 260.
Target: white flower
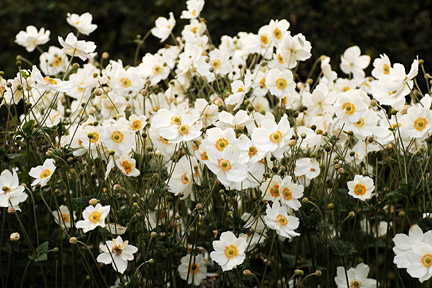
column 280, row 83
column 11, row 193
column 290, row 193
column 116, row 136
column 195, row 267
column 32, row 37
column 43, row 173
column 153, row 68
column 82, row 23
column 63, row 216
column 93, row 216
column 270, row 188
column 353, row 62
column 194, row 9
column 361, row 187
column 78, row 48
column 277, row 218
column 137, row 123
column 185, row 173
column 309, row 167
column 417, row 122
column 53, row 62
column 48, row 83
column 420, row 261
column 117, row 253
column 357, row 277
column 229, row 251
column 127, row 165
column 295, row 48
column 163, row 27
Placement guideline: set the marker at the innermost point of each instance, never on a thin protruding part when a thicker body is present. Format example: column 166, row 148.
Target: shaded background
column 401, row 29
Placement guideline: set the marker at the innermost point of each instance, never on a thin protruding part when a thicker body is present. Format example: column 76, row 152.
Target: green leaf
column 41, row 253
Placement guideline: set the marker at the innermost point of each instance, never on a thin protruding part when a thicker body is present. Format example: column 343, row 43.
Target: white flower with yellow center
column 194, row 8
column 295, row 48
column 279, row 28
column 117, row 253
column 405, row 243
column 137, row 123
column 53, row 62
column 351, row 105
column 320, row 101
column 163, row 27
column 382, row 66
column 116, row 136
column 77, row 48
column 154, row 68
column 186, row 172
column 420, row 259
column 353, row 62
column 357, row 277
column 193, row 270
column 93, row 216
column 49, row 84
column 126, row 165
column 280, row 83
column 229, row 251
column 43, row 173
column 272, row 137
column 185, row 128
column 290, row 193
column 11, row 193
column 361, row 187
column 82, row 22
column 226, row 166
column 63, row 216
column 308, row 167
column 417, row 122
column 270, row 188
column 277, row 218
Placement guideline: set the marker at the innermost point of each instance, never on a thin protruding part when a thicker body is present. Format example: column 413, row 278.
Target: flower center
column 117, row 136
column 359, row 189
column 225, row 165
column 183, row 129
column 280, row 59
column 136, row 125
column 346, row 88
column 193, row 268
column 127, row 166
column 386, row 69
column 427, row 260
column 252, row 151
column 65, row 218
column 56, row 62
column 157, row 69
column 125, row 82
column 45, row 174
column 116, row 249
column 262, row 83
column 348, row 107
column 281, row 83
column 420, row 123
column 276, row 137
column 277, row 33
column 355, row 283
column 94, row 216
column 6, row 189
column 221, row 144
column 230, row 251
column 216, row 63
column 281, row 219
column 176, row 120
column 95, row 137
column 264, row 39
column 359, row 123
column 204, row 156
column 50, row 81
column 287, row 194
column 274, row 191
column 184, row 179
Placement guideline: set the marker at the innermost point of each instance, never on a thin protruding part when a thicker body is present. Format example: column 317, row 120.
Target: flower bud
column 14, row 237
column 73, row 240
column 11, row 210
column 93, row 201
column 298, row 272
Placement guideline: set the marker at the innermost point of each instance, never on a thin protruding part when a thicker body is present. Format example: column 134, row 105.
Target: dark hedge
column 401, row 29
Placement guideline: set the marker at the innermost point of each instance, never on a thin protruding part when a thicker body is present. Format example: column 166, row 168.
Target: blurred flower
column 194, row 8
column 163, row 27
column 81, row 23
column 357, row 277
column 195, row 267
column 63, row 216
column 32, row 37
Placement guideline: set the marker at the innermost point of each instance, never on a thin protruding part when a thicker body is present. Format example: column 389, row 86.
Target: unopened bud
column 73, row 240
column 11, row 210
column 298, row 272
column 117, row 187
column 318, row 273
column 14, row 237
column 93, row 201
column 105, row 55
column 330, row 206
column 305, row 200
column 247, row 272
column 351, row 214
column 292, row 142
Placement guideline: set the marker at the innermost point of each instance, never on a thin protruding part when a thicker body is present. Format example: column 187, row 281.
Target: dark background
column 401, row 29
